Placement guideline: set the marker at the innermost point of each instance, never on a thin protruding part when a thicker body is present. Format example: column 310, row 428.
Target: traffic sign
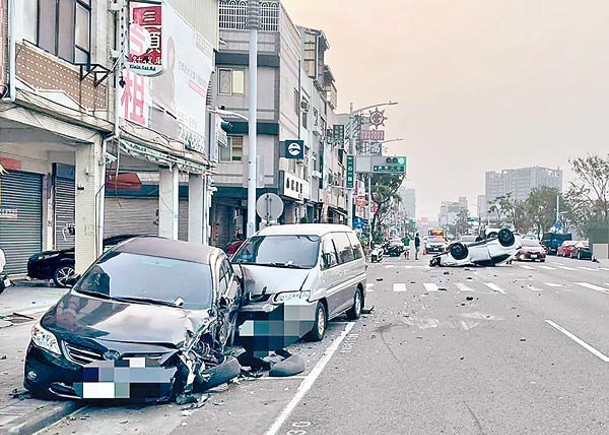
column 269, row 207
column 294, row 149
column 350, row 171
column 390, row 165
column 558, row 225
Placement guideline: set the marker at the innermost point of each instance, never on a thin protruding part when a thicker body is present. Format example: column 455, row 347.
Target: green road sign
column 391, row 165
column 350, row 171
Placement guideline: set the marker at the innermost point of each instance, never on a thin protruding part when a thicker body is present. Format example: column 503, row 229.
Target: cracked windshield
column 304, row 217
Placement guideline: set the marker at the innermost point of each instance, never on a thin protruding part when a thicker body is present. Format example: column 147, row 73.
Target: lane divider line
column 527, row 267
column 587, row 268
column 592, row 287
column 495, row 287
column 547, row 267
column 552, row 284
column 308, row 382
column 566, row 268
column 579, row 341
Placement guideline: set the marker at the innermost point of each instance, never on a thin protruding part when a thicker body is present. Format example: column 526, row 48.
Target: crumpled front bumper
column 264, row 326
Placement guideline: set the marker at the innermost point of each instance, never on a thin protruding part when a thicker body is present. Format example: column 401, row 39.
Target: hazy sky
column 482, row 84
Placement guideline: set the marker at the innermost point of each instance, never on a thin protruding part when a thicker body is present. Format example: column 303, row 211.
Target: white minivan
column 296, row 278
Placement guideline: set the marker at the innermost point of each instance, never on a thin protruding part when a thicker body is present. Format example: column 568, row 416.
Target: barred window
column 233, row 15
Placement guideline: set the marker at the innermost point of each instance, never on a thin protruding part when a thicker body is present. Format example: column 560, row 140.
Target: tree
column 520, row 217
column 540, row 207
column 384, row 195
column 462, row 222
column 588, row 196
column 503, row 208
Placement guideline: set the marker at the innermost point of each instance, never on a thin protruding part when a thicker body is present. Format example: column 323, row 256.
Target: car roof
column 167, row 248
column 303, row 230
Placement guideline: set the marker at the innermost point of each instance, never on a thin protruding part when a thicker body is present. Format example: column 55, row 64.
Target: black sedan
column 149, row 320
column 59, row 265
column 582, row 251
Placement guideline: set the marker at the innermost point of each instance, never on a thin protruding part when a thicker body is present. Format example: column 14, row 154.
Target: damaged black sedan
column 149, row 320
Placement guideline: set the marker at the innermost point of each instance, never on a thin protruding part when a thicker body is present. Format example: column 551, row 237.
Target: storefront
column 21, row 214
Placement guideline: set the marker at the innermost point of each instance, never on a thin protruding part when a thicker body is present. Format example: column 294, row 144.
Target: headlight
column 45, row 339
column 281, row 298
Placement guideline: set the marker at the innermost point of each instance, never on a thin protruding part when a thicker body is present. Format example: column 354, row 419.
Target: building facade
column 296, row 101
column 70, row 145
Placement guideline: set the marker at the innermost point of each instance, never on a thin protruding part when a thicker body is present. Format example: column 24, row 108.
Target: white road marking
column 527, row 267
column 369, row 287
column 308, row 382
column 592, row 287
column 494, row 287
column 389, row 266
column 462, row 287
column 399, row 287
column 552, row 284
column 587, row 268
column 533, row 288
column 430, row 287
column 547, row 267
column 604, row 268
column 566, row 268
column 579, row 341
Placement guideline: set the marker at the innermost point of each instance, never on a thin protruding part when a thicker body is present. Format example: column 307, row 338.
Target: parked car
column 300, row 275
column 531, row 250
column 435, row 245
column 553, row 240
column 582, row 251
column 152, row 309
column 566, row 248
column 59, row 265
column 499, row 247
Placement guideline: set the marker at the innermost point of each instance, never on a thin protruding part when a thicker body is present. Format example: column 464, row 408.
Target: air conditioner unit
column 304, row 106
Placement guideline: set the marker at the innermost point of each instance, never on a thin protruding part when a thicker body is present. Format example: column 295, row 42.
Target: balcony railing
column 233, row 15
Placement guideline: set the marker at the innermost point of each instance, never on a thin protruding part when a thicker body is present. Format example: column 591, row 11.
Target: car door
column 347, row 279
column 330, row 275
column 229, row 289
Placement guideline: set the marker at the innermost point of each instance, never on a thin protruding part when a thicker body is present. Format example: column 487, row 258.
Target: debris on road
column 469, row 298
column 523, row 339
column 368, row 310
column 379, row 279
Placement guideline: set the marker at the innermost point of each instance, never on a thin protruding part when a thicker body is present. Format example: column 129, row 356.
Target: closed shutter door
column 138, row 216
column 64, row 212
column 21, row 234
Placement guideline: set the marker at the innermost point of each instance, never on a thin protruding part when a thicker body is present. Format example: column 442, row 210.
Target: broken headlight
column 45, row 339
column 281, row 298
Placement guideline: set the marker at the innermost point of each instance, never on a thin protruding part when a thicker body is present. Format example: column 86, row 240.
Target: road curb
column 32, row 423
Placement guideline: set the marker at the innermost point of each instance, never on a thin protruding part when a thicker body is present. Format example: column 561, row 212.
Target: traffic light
column 391, row 165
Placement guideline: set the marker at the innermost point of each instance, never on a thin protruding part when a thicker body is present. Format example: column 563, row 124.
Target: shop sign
column 8, row 213
column 145, row 45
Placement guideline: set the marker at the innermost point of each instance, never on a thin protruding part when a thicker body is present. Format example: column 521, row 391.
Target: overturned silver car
column 495, row 248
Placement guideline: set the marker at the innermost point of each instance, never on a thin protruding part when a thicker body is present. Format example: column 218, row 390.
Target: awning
column 161, row 158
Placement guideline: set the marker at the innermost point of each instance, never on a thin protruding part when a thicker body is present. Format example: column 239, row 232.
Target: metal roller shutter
column 21, row 237
column 139, row 216
column 64, row 212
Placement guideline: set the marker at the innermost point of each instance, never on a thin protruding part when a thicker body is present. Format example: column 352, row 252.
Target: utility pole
column 253, row 22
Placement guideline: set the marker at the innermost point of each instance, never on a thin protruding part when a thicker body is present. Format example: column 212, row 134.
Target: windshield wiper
column 150, row 301
column 287, row 265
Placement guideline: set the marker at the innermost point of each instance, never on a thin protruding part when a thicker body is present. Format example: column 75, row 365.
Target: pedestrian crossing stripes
column 566, row 268
column 527, row 267
column 553, row 284
column 592, row 287
column 547, row 267
column 462, row 287
column 430, row 287
column 399, row 287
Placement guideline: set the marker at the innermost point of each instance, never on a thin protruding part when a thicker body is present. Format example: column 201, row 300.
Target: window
column 305, row 119
column 231, row 81
column 233, row 152
column 30, row 20
column 343, row 246
column 356, row 246
column 315, row 117
column 295, row 252
column 64, row 28
column 330, row 258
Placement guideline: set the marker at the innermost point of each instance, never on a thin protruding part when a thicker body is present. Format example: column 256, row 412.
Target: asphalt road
column 515, row 349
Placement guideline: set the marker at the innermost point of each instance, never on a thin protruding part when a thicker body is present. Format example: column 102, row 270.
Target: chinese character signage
column 372, row 135
column 146, row 48
column 174, row 102
column 350, row 171
column 338, row 134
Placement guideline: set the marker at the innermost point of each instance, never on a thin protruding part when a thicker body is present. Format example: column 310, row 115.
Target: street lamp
column 253, row 22
column 228, row 114
column 352, row 114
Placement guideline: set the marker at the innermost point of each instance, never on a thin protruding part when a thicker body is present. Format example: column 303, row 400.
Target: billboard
column 174, row 102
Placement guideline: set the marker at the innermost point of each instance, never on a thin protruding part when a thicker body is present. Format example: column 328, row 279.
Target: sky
column 481, row 84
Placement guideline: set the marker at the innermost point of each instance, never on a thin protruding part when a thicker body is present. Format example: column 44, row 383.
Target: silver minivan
column 296, row 278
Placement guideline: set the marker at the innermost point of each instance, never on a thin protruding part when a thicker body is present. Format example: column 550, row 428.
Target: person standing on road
column 4, row 282
column 2, row 261
column 417, row 246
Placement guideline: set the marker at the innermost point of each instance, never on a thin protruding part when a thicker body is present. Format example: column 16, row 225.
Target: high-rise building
column 519, row 183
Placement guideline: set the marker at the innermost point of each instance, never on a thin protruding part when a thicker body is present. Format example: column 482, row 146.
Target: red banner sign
column 145, row 50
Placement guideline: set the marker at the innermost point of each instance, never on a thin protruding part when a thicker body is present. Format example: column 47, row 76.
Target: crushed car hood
column 274, row 279
column 89, row 317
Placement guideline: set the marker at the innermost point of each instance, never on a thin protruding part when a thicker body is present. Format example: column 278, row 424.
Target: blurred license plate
column 7, row 282
column 534, row 256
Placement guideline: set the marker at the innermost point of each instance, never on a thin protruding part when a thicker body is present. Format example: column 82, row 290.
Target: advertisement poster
column 174, row 102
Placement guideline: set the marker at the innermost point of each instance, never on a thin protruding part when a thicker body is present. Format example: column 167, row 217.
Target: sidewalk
column 20, row 414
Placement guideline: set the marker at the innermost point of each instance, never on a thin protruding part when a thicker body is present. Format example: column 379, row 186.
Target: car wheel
column 62, row 273
column 459, row 251
column 319, row 328
column 506, row 237
column 358, row 303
